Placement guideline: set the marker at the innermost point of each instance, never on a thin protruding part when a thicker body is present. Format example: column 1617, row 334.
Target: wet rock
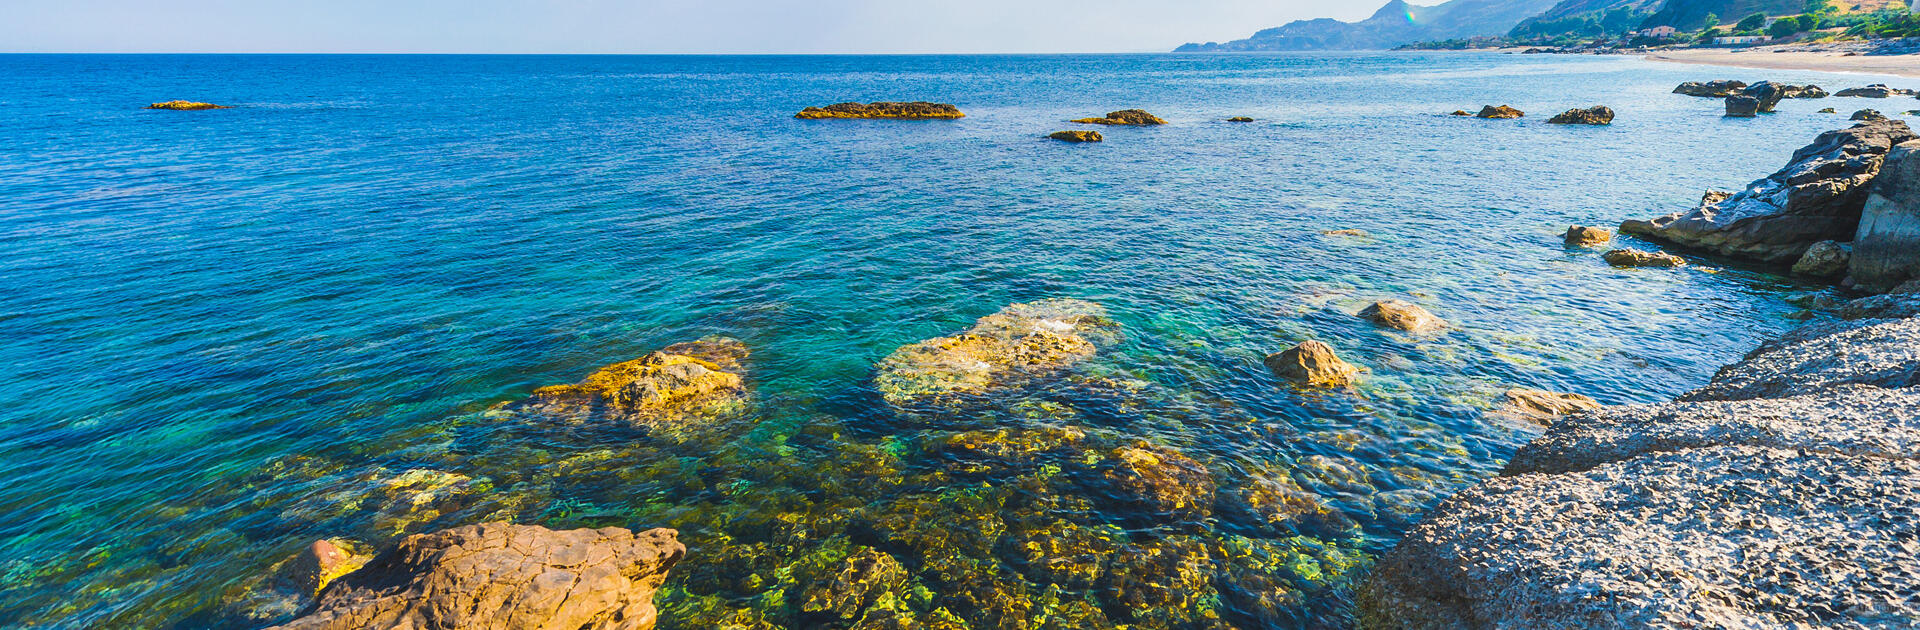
column 186, row 106
column 1279, row 504
column 1005, row 349
column 1803, row 91
column 1877, row 90
column 1460, row 112
column 1825, row 259
column 1347, row 233
column 1894, row 306
column 869, row 580
column 660, row 388
column 1596, row 115
column 1726, row 537
column 1402, row 315
column 1766, row 95
column 1820, row 356
column 1583, row 236
column 1312, row 363
column 1240, row 119
column 1162, row 583
column 1637, row 258
column 1125, row 117
column 1742, row 106
column 1817, row 197
column 1829, row 110
column 1162, row 481
column 1077, row 136
column 504, row 576
column 1010, row 445
column 1544, row 407
column 1857, row 421
column 917, row 110
column 1869, row 115
column 292, row 585
column 1886, row 247
column 1502, row 111
column 391, row 502
column 1710, row 89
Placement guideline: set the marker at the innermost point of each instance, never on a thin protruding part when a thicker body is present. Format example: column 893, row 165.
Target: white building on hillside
column 1739, row 40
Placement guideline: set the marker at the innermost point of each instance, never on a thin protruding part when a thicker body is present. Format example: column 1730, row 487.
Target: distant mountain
column 1689, row 15
column 1393, row 25
column 1588, row 18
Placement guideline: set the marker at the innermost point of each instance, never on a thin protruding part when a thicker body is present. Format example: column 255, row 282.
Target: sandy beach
column 1775, row 59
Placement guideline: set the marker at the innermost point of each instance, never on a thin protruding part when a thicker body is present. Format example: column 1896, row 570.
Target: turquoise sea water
column 230, row 332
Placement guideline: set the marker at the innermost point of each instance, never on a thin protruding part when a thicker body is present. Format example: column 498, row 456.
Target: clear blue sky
column 644, row 26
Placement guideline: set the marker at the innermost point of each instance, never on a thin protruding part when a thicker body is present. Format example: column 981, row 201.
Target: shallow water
column 234, row 331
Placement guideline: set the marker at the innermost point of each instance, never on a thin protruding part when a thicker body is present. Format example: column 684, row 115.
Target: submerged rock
column 1886, row 250
column 1543, row 407
column 186, row 106
column 869, row 580
column 1502, row 111
column 1350, row 233
column 292, row 585
column 1402, row 315
column 1817, row 197
column 916, row 110
column 1583, row 236
column 1637, row 258
column 660, row 388
column 1076, row 136
column 1596, row 115
column 503, row 576
column 1312, row 363
column 1161, row 481
column 1124, row 117
column 1825, row 259
column 1020, row 342
column 1710, row 89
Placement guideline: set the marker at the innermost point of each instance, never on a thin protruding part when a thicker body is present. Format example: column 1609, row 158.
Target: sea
column 229, row 333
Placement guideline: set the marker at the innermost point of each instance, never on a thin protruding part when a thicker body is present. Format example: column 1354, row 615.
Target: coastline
column 1776, row 58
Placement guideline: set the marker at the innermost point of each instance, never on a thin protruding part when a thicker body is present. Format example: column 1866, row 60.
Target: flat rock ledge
column 500, row 576
column 916, row 110
column 1785, row 493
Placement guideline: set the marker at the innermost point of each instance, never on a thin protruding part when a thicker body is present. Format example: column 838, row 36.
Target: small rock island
column 1137, row 117
column 916, row 110
column 186, row 106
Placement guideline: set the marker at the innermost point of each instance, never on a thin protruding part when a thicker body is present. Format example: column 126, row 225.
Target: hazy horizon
column 645, row 26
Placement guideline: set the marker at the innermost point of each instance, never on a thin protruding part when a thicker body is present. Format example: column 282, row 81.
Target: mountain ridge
column 1394, row 24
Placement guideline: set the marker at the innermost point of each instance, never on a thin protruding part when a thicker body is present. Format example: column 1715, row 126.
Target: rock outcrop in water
column 1403, row 315
column 662, row 388
column 186, row 106
column 1785, row 493
column 1868, row 115
column 1584, row 236
column 1005, row 349
column 1543, row 407
column 1711, row 89
column 1312, row 364
column 1134, row 117
column 1076, row 136
column 1759, row 98
column 1638, row 258
column 1804, row 92
column 1825, row 259
column 916, row 110
column 1877, row 90
column 1886, row 249
column 1498, row 112
column 500, row 576
column 1596, row 115
column 1817, row 197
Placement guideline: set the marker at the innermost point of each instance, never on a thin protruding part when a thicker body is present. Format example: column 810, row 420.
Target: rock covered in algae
column 1585, row 236
column 869, row 579
column 1596, row 115
column 1161, row 480
column 1312, row 363
column 1403, row 315
column 655, row 389
column 1077, row 136
column 1825, row 259
column 500, row 576
column 389, row 502
column 1240, row 119
column 292, row 584
column 1136, row 117
column 1501, row 111
column 916, row 110
column 1019, row 342
column 1638, row 258
column 186, row 106
column 1279, row 504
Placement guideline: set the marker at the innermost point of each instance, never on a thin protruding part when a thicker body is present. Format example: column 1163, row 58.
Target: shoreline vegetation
column 1671, row 514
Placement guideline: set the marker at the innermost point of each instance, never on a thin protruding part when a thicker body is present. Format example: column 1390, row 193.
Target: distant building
column 1659, row 32
column 1739, row 40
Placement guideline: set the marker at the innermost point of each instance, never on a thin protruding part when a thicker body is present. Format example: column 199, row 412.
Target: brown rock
column 1637, row 258
column 1007, row 348
column 1312, row 363
column 323, row 562
column 1348, row 233
column 1583, row 236
column 1461, row 112
column 917, row 110
column 1502, row 111
column 505, row 577
column 1868, row 115
column 1403, row 315
column 1240, row 119
column 1542, row 407
column 1596, row 115
column 1125, row 117
column 651, row 390
column 1077, row 136
column 1161, row 480
column 186, row 106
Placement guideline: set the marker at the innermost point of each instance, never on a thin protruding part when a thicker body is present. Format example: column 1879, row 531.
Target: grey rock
column 1892, row 306
column 1596, row 115
column 1876, row 90
column 1805, row 91
column 1825, row 259
column 1720, row 537
column 1817, row 197
column 1767, row 94
column 1887, row 241
column 1710, row 89
column 1742, row 106
column 500, row 576
column 1878, row 352
column 1859, row 420
column 1869, row 114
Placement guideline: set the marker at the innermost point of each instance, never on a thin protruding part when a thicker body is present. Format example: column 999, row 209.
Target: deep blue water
column 218, row 324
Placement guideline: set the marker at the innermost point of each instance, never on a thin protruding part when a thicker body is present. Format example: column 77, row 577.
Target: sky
column 644, row 26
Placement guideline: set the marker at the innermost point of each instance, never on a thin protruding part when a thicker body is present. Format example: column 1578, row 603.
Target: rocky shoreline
column 1784, row 493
